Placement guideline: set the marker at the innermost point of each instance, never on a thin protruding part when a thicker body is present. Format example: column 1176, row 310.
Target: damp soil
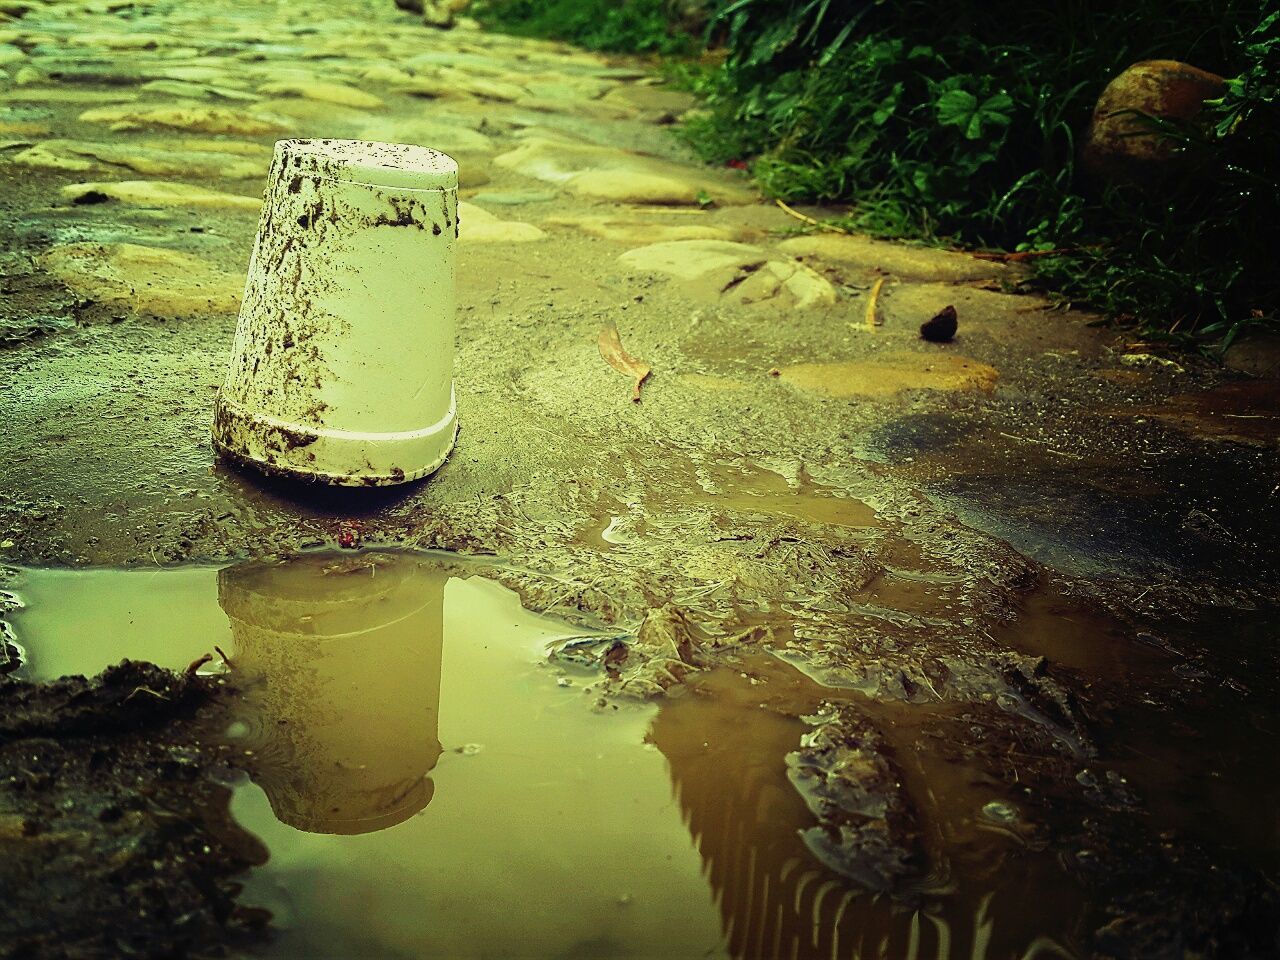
column 115, row 841
column 383, row 754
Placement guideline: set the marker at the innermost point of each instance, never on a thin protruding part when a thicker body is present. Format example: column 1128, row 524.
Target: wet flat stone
column 227, row 159
column 158, row 193
column 734, row 272
column 887, row 376
column 607, row 173
column 195, row 117
column 451, row 135
column 476, row 225
column 23, row 128
column 65, row 95
column 899, row 260
column 633, row 231
column 150, row 280
column 316, row 118
column 188, row 90
column 651, row 99
column 514, row 198
column 325, row 92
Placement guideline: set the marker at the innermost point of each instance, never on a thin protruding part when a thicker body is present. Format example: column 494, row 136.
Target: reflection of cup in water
column 338, row 661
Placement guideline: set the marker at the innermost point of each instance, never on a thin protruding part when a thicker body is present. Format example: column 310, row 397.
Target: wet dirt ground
column 838, row 643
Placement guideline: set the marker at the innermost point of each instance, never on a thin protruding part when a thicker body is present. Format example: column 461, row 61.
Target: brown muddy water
column 430, row 784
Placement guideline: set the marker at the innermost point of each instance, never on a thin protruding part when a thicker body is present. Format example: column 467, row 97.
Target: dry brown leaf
column 873, row 319
column 620, row 360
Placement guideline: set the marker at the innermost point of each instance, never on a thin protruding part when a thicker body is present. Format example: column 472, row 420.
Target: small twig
column 1058, row 453
column 998, row 256
column 138, row 690
column 682, row 211
column 225, row 659
column 830, row 227
column 873, row 301
column 197, row 664
column 928, row 683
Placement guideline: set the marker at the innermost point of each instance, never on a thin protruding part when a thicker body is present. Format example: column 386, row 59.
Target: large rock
column 1120, row 141
column 148, row 280
column 435, row 13
column 442, row 13
column 1258, row 355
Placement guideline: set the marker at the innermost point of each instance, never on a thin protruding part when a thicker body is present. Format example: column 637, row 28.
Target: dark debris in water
column 127, row 697
column 867, row 829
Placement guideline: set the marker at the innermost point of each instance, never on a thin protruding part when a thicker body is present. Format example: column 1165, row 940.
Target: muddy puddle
column 727, row 491
column 429, row 783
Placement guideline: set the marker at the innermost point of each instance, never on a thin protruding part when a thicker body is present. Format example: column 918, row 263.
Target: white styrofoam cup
column 342, row 368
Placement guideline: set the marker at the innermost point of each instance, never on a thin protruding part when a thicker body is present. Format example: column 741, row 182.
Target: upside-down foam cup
column 342, row 368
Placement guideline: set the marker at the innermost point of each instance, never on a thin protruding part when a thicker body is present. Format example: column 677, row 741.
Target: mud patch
column 114, row 841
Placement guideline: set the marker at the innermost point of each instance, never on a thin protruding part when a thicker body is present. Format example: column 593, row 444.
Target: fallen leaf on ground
column 620, row 360
column 873, row 301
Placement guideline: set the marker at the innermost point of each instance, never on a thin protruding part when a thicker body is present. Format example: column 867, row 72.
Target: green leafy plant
column 965, row 129
column 962, row 126
column 1196, row 255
